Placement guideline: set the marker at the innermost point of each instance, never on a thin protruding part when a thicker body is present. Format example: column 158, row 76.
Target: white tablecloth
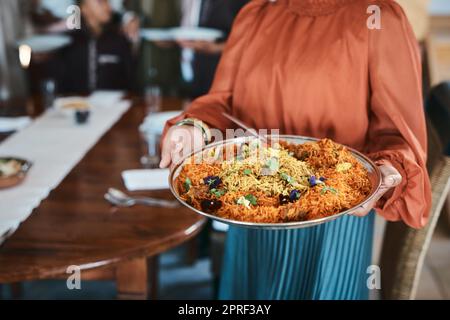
column 55, row 144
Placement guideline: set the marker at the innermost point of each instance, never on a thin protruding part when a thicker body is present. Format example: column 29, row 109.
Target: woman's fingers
column 164, row 44
column 166, row 157
column 177, row 153
column 179, row 143
column 169, row 146
column 391, row 177
column 362, row 211
column 186, row 44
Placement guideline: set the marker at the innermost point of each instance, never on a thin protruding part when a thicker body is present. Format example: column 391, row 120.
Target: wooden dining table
column 75, row 226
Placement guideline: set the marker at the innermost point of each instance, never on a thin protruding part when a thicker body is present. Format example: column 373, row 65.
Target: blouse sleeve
column 397, row 132
column 209, row 108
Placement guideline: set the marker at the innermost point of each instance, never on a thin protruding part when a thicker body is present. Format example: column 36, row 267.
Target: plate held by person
column 373, row 175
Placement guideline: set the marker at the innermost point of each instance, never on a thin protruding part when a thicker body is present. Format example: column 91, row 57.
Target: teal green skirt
column 327, row 262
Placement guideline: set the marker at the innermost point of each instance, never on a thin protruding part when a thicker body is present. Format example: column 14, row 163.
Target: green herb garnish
column 287, row 178
column 217, row 192
column 252, row 199
column 247, row 172
column 326, row 188
column 187, row 184
column 272, row 164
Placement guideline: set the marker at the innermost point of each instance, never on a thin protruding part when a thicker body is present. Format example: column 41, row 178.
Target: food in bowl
column 9, row 167
column 282, row 183
column 78, row 105
column 71, row 105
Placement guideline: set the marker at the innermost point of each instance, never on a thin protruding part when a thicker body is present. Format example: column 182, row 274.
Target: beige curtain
column 417, row 12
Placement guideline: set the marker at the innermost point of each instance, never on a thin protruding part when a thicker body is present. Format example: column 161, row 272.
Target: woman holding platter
column 320, row 68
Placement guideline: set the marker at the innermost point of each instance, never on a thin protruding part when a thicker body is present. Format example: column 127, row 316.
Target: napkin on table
column 146, row 179
column 13, row 124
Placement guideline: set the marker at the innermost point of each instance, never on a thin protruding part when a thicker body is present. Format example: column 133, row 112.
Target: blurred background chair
column 438, row 110
column 404, row 249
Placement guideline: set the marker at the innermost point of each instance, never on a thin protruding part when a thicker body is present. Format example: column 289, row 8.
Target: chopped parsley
column 272, row 164
column 287, row 178
column 217, row 192
column 247, row 200
column 212, row 182
column 243, row 202
column 252, row 199
column 187, row 184
column 326, row 188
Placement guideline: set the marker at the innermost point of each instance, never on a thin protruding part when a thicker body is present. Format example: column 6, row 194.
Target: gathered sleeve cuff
column 397, row 130
column 403, row 203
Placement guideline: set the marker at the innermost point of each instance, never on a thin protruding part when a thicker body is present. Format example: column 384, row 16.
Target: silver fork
column 120, row 199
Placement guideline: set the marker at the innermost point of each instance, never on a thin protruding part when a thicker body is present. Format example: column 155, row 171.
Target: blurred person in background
column 100, row 56
column 198, row 59
column 158, row 63
column 51, row 15
column 14, row 25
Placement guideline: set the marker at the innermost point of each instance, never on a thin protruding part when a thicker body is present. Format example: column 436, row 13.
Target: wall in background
column 440, row 7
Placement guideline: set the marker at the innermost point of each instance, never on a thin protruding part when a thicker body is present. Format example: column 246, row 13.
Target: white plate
column 45, row 43
column 157, row 35
column 181, row 33
column 205, row 34
column 13, row 124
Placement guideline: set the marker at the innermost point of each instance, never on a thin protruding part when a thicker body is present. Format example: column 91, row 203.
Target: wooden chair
column 438, row 111
column 404, row 249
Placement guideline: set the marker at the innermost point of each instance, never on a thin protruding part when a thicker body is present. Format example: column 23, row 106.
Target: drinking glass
column 150, row 148
column 153, row 99
column 48, row 92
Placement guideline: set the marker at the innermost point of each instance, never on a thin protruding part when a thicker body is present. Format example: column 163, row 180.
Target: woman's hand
column 165, row 44
column 207, row 47
column 130, row 27
column 390, row 179
column 179, row 142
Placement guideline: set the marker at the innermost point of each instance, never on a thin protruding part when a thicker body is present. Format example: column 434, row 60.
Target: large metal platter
column 374, row 176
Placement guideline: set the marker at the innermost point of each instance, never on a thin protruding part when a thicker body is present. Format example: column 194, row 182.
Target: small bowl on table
column 71, row 105
column 13, row 171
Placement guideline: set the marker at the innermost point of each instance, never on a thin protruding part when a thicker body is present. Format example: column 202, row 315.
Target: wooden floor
column 435, row 280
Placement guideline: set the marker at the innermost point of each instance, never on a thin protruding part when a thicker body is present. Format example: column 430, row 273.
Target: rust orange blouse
column 314, row 68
